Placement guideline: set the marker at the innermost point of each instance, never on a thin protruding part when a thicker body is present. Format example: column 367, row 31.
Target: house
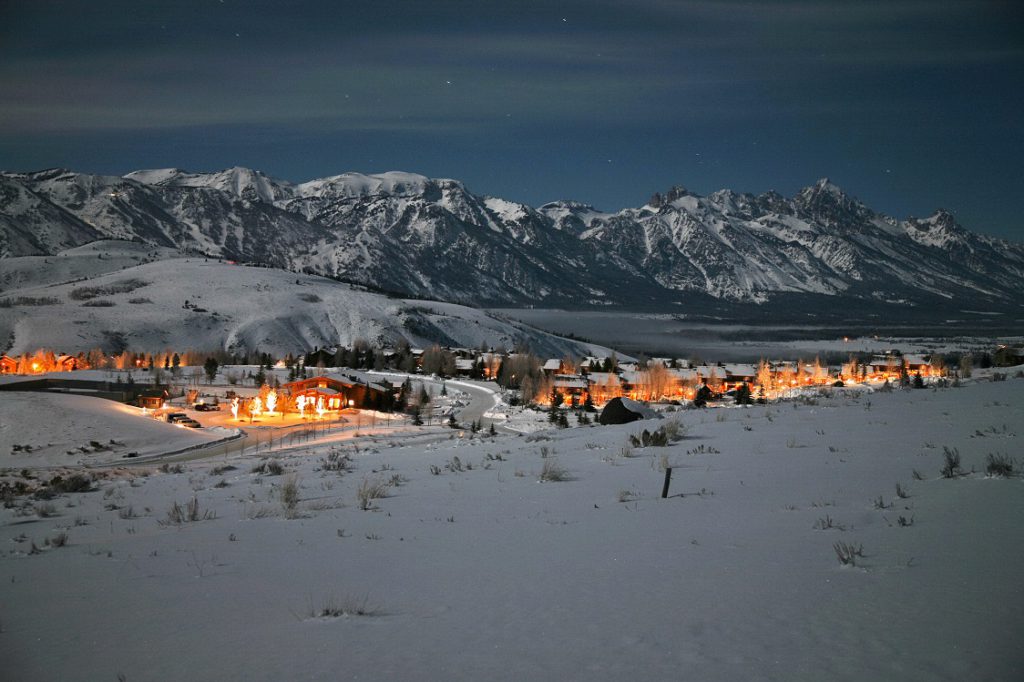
column 336, row 394
column 67, row 363
column 604, row 386
column 736, row 374
column 887, row 366
column 8, row 365
column 572, row 387
column 151, row 398
column 1008, row 356
column 464, row 366
column 322, row 357
column 552, row 366
column 918, row 364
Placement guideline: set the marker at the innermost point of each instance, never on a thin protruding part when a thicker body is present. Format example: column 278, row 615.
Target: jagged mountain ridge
column 432, row 237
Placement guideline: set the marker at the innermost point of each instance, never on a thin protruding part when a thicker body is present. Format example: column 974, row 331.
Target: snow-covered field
column 472, row 568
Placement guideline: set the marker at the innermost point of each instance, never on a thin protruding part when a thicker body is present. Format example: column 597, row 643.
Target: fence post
column 668, row 479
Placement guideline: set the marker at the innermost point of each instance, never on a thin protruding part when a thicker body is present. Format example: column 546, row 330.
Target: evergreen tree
column 210, row 367
column 704, row 394
column 743, row 394
column 556, row 398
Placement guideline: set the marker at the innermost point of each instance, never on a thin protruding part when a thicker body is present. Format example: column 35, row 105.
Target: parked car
column 207, row 407
column 190, row 424
column 175, row 417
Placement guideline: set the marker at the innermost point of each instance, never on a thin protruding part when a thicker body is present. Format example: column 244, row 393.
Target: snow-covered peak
column 156, row 176
column 506, row 210
column 826, row 202
column 939, row 230
column 244, row 183
column 392, row 183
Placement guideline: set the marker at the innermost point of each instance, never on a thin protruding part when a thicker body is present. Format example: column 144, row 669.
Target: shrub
column 29, row 301
column 45, row 510
column 951, row 462
column 58, row 540
column 674, row 430
column 178, row 515
column 552, row 471
column 371, row 490
column 901, row 492
column 345, row 606
column 99, row 303
column 75, row 483
column 269, row 468
column 826, row 523
column 999, row 465
column 290, row 494
column 335, row 461
column 847, row 553
column 123, row 287
column 658, row 438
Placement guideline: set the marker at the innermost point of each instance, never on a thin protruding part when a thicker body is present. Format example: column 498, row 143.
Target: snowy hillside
column 141, row 299
column 434, row 238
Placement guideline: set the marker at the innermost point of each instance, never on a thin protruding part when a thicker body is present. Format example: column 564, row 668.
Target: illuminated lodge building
column 336, row 394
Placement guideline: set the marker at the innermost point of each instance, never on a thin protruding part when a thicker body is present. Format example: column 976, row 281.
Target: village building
column 552, row 367
column 737, row 374
column 336, row 394
column 572, row 387
column 67, row 363
column 8, row 365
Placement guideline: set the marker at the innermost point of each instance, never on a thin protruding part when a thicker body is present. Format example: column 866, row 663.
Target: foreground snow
column 487, row 573
column 51, row 429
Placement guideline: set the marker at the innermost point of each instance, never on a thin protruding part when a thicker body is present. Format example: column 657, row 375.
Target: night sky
column 907, row 105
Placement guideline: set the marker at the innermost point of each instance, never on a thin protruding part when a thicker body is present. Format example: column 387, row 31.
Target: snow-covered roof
column 743, row 370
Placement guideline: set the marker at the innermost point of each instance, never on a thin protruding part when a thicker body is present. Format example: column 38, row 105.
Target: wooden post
column 668, row 479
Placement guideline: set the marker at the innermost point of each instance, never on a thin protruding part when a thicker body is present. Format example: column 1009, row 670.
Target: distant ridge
column 432, row 237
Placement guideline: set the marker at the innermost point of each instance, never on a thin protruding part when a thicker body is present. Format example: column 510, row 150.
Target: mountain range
column 425, row 237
